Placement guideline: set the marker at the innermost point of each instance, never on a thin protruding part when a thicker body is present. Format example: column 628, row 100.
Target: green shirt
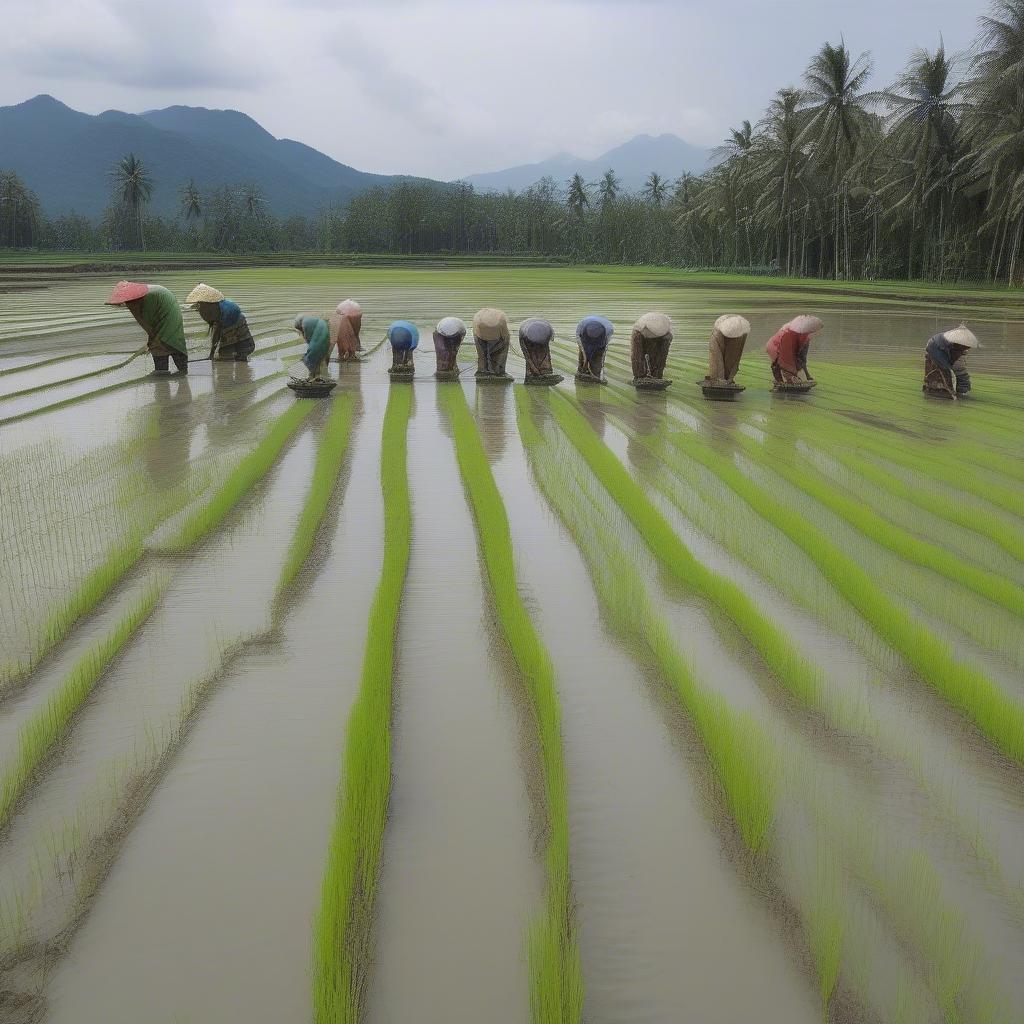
column 161, row 316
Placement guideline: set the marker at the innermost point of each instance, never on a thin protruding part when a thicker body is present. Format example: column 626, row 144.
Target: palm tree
column 133, row 187
column 655, row 189
column 837, row 117
column 737, row 143
column 608, row 188
column 577, row 199
column 252, row 199
column 191, row 200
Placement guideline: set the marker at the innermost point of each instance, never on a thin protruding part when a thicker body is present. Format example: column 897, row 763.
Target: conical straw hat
column 653, row 325
column 126, row 291
column 962, row 336
column 203, row 293
column 490, row 318
column 451, row 327
column 349, row 307
column 805, row 324
column 536, row 330
column 732, row 326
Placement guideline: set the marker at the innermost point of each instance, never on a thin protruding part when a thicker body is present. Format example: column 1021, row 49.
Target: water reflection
column 167, row 436
column 492, row 405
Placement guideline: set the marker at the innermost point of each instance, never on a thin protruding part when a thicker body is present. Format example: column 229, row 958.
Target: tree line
column 923, row 179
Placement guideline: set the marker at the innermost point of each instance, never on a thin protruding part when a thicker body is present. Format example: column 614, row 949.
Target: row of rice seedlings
column 556, row 982
column 996, row 715
column 342, row 930
column 68, row 380
column 326, row 471
column 39, row 364
column 73, row 400
column 202, row 520
column 50, row 723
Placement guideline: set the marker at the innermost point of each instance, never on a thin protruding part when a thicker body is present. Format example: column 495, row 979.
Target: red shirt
column 784, row 346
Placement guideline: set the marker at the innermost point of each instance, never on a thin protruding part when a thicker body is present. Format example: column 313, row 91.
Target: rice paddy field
column 446, row 703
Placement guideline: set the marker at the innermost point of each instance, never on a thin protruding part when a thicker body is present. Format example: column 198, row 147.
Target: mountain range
column 65, row 157
column 632, row 162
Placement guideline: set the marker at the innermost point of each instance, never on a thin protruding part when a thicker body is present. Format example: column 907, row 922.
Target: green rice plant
column 556, row 981
column 342, row 930
column 201, row 521
column 39, row 364
column 73, row 400
column 791, row 669
column 40, row 733
column 736, row 746
column 995, row 714
column 92, row 590
column 326, row 471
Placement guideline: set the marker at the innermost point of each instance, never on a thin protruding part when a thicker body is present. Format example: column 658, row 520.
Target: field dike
column 556, row 982
column 342, row 930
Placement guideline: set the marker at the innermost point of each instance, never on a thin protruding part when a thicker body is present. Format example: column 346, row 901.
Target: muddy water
column 232, row 846
column 460, row 879
column 658, row 902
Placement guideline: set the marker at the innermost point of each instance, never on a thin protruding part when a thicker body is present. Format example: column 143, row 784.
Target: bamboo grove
column 842, row 177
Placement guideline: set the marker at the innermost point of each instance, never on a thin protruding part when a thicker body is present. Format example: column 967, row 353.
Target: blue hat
column 595, row 328
column 403, row 335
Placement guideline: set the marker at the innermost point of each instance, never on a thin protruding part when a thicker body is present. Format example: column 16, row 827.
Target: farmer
column 592, row 336
column 726, row 349
column 788, row 349
column 535, row 336
column 648, row 347
column 490, row 332
column 448, row 336
column 945, row 358
column 157, row 312
column 230, row 337
column 318, row 345
column 345, row 322
column 404, row 337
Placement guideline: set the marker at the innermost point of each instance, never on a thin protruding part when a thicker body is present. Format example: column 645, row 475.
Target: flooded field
column 454, row 703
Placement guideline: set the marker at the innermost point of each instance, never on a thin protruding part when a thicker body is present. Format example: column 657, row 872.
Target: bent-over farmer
column 649, row 345
column 725, row 349
column 945, row 363
column 788, row 348
column 535, row 337
column 404, row 337
column 230, row 337
column 345, row 323
column 593, row 333
column 448, row 337
column 490, row 332
column 157, row 312
column 318, row 345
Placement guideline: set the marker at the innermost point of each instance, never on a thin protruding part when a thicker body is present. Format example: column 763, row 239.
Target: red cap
column 126, row 291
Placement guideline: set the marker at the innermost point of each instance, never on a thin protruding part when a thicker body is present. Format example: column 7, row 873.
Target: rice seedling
column 201, row 521
column 326, row 471
column 995, row 714
column 73, row 400
column 69, row 380
column 44, row 729
column 341, row 934
column 556, row 982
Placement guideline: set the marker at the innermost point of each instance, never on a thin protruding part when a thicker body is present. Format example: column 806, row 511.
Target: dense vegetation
column 921, row 179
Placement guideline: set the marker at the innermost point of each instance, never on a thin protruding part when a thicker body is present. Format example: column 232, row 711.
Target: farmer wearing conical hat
column 345, row 322
column 230, row 337
column 157, row 312
column 448, row 336
column 535, row 336
column 788, row 349
column 318, row 345
column 404, row 337
column 726, row 349
column 490, row 332
column 593, row 333
column 945, row 360
column 648, row 347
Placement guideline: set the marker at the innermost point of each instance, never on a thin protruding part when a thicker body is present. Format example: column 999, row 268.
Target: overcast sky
column 450, row 87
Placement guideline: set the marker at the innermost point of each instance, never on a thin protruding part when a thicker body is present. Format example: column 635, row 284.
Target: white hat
column 732, row 326
column 805, row 324
column 962, row 336
column 451, row 327
column 491, row 318
column 204, row 293
column 653, row 325
column 349, row 307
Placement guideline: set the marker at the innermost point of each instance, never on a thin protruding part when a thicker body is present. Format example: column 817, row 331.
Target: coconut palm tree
column 577, row 199
column 133, row 188
column 191, row 200
column 655, row 190
column 608, row 188
column 835, row 104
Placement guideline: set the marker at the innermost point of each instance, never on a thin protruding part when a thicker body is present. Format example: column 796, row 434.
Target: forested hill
column 65, row 157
